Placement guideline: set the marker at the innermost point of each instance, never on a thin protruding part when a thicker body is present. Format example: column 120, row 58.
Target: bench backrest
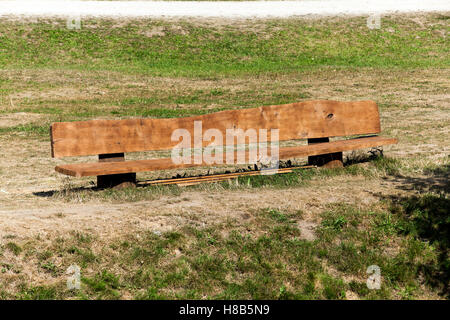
column 302, row 120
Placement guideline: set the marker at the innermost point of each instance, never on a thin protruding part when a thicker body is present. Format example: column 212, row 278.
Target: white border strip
column 226, row 9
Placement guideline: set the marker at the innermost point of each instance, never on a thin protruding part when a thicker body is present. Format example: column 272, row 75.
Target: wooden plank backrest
column 302, row 120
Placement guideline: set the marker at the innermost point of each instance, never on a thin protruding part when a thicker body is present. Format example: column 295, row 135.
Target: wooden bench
column 313, row 121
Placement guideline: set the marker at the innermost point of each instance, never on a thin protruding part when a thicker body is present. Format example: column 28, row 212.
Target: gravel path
column 225, row 9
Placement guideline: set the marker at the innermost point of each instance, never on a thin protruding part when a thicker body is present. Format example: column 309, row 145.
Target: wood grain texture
column 103, row 168
column 302, row 120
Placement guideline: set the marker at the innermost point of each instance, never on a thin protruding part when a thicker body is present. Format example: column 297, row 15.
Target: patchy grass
column 30, row 129
column 37, row 293
column 184, row 48
column 14, row 248
column 263, row 258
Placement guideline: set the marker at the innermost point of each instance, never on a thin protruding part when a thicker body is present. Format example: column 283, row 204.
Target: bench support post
column 329, row 160
column 115, row 180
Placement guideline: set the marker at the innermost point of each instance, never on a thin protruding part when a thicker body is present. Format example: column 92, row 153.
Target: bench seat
column 109, row 168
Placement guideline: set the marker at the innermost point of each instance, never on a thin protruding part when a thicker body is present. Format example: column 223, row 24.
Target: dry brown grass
column 103, row 90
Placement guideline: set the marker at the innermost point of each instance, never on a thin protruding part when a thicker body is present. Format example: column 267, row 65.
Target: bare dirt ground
column 167, row 213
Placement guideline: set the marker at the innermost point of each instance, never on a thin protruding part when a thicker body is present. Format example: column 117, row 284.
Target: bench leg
column 115, row 180
column 329, row 160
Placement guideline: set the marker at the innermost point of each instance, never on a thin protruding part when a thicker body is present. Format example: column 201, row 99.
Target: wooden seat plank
column 106, row 168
